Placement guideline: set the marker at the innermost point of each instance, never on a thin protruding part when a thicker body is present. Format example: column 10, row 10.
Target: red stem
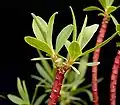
column 96, row 54
column 57, row 85
column 114, row 77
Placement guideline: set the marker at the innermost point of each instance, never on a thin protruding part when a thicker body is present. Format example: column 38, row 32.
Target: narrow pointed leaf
column 40, row 99
column 93, row 64
column 37, row 31
column 100, row 45
column 41, row 24
column 75, row 69
column 103, row 3
column 74, row 25
column 92, row 8
column 63, row 36
column 89, row 93
column 38, row 44
column 36, row 59
column 46, row 65
column 74, row 50
column 88, row 34
column 118, row 28
column 114, row 20
column 111, row 9
column 26, row 93
column 80, row 36
column 20, row 89
column 50, row 30
column 43, row 73
column 16, row 99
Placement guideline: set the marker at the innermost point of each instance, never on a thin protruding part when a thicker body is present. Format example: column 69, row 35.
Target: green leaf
column 46, row 65
column 41, row 25
column 26, row 93
column 83, row 66
column 50, row 30
column 89, row 93
column 99, row 45
column 109, row 2
column 43, row 73
column 103, row 3
column 20, row 89
column 63, row 36
column 40, row 99
column 101, row 14
column 118, row 28
column 37, row 31
column 111, row 9
column 38, row 44
column 88, row 34
column 74, row 50
column 80, row 36
column 67, row 44
column 114, row 20
column 93, row 64
column 75, row 69
column 92, row 8
column 16, row 99
column 74, row 25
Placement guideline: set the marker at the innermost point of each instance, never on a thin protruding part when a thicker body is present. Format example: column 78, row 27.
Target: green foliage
column 23, row 99
column 111, row 9
column 62, row 37
column 74, row 50
column 92, row 8
column 40, row 45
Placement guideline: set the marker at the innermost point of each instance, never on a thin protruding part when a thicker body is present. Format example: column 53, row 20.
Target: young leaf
column 38, row 44
column 40, row 99
column 75, row 69
column 50, row 30
column 74, row 25
column 103, row 3
column 114, row 20
column 109, row 2
column 20, row 89
column 43, row 73
column 118, row 28
column 16, row 99
column 80, row 36
column 99, row 45
column 63, row 36
column 26, row 93
column 92, row 8
column 37, row 31
column 41, row 24
column 88, row 34
column 74, row 50
column 111, row 9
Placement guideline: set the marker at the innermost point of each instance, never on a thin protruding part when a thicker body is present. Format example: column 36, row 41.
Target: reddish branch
column 96, row 54
column 57, row 85
column 114, row 76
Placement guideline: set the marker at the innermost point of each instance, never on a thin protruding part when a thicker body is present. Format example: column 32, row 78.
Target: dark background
column 15, row 54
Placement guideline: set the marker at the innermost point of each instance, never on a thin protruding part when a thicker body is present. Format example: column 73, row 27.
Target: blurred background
column 15, row 54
